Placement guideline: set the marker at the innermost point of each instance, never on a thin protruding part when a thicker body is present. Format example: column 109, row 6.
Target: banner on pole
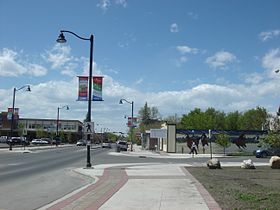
column 10, row 113
column 131, row 123
column 83, row 89
column 97, row 82
column 97, row 88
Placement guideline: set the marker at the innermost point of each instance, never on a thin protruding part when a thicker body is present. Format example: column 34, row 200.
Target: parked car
column 122, row 145
column 81, row 143
column 39, row 142
column 18, row 141
column 106, row 145
column 56, row 140
column 265, row 152
column 47, row 139
column 3, row 139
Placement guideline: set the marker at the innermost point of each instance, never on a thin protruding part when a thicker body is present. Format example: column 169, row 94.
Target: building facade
column 29, row 127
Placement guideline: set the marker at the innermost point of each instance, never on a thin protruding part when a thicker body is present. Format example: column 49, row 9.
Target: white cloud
column 183, row 50
column 12, row 66
column 254, row 78
column 122, row 2
column 174, row 28
column 139, row 81
column 104, row 4
column 193, row 15
column 37, row 70
column 266, row 35
column 221, row 59
column 271, row 60
column 44, row 98
column 58, row 55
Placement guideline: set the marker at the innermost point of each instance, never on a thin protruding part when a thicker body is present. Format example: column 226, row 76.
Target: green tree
column 148, row 118
column 254, row 119
column 214, row 119
column 197, row 119
column 21, row 129
column 193, row 120
column 273, row 139
column 145, row 114
column 173, row 119
column 40, row 133
column 223, row 141
column 69, row 137
column 232, row 121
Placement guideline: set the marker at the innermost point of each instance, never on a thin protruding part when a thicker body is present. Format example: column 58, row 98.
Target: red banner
column 97, row 88
column 83, row 89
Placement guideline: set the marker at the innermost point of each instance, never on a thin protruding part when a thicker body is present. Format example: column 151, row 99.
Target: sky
column 175, row 55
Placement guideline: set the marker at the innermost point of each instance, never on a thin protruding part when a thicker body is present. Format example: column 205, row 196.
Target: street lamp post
column 57, row 119
column 210, row 141
column 27, row 88
column 61, row 39
column 132, row 120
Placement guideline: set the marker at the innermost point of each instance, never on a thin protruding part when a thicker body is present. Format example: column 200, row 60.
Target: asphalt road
column 31, row 180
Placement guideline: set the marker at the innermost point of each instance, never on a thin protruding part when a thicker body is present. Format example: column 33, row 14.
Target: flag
column 130, row 122
column 83, row 89
column 97, row 88
column 10, row 113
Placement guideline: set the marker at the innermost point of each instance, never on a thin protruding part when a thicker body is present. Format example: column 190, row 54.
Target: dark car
column 263, row 153
column 18, row 141
column 122, row 145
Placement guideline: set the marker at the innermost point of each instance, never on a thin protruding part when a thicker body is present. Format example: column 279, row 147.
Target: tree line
column 252, row 119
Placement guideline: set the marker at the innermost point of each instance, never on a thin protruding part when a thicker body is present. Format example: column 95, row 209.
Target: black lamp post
column 27, row 88
column 61, row 39
column 132, row 120
column 57, row 119
column 278, row 112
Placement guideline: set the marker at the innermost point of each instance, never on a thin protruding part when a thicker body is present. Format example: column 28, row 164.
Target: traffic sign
column 89, row 127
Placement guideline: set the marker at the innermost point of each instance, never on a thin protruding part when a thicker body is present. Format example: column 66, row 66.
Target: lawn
column 236, row 188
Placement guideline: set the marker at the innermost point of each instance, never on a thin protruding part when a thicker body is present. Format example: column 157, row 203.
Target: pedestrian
column 193, row 148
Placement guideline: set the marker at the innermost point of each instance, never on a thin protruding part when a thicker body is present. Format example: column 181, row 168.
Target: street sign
column 88, row 127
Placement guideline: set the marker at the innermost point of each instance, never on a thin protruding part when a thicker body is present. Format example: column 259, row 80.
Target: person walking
column 193, row 148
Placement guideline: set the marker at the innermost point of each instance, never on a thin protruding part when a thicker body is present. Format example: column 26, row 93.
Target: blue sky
column 174, row 54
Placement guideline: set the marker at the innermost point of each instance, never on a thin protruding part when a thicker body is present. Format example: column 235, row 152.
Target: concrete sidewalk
column 135, row 186
column 138, row 186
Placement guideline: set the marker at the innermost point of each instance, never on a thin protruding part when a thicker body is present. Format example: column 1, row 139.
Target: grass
column 241, row 189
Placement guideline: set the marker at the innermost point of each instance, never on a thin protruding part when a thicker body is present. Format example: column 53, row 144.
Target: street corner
column 93, row 172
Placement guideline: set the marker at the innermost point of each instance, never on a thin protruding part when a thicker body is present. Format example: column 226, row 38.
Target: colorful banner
column 129, row 122
column 83, row 89
column 97, row 88
column 10, row 113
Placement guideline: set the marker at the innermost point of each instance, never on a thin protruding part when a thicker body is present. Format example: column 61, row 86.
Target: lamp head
column 67, row 108
column 277, row 71
column 61, row 38
column 121, row 102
